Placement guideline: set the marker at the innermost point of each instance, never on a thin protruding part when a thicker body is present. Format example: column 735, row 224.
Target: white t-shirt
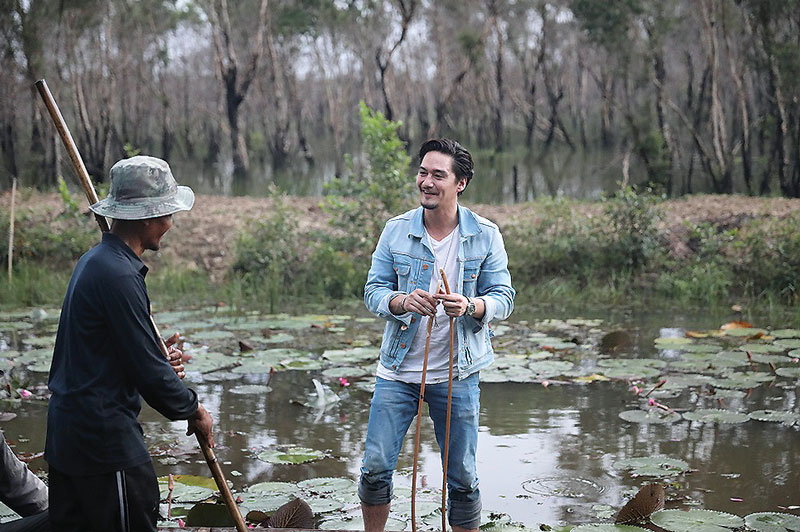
column 445, row 252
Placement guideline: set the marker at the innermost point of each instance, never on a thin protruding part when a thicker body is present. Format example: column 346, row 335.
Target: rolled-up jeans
column 394, row 406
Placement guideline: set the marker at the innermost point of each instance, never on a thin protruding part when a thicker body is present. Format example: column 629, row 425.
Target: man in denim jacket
column 403, row 287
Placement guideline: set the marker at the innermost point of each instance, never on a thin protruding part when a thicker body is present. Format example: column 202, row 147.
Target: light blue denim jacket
column 403, row 261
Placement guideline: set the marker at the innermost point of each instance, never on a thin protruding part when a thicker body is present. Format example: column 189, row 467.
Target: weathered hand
column 455, row 305
column 202, row 423
column 175, row 355
column 421, row 302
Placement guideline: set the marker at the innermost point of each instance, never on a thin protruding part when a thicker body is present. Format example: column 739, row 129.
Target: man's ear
column 462, row 184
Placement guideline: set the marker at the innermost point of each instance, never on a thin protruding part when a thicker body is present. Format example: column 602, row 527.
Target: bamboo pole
column 11, row 230
column 91, row 195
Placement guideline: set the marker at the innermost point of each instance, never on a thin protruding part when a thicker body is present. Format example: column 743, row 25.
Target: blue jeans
column 394, row 406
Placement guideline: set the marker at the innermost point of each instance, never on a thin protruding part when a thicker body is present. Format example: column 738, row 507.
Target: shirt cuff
column 383, row 308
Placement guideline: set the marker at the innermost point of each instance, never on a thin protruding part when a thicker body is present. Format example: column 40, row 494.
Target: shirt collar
column 468, row 225
column 112, row 240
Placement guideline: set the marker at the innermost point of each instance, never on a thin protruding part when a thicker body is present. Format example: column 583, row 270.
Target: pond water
column 506, row 177
column 551, row 435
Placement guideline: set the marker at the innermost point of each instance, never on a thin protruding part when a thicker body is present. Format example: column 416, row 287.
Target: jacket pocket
column 403, row 271
column 470, row 280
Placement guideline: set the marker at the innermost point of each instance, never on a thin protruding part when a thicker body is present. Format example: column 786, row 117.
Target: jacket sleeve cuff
column 384, row 312
column 488, row 315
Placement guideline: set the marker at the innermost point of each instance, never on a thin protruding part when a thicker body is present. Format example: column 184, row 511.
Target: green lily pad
column 672, row 342
column 326, row 484
column 652, row 415
column 701, row 348
column 8, row 326
column 696, row 520
column 550, row 368
column 421, row 508
column 776, row 416
column 292, row 455
column 772, row 522
column 210, row 361
column 277, row 338
column 792, row 372
column 762, row 348
column 302, row 364
column 721, row 393
column 716, row 415
column 628, row 362
column 264, row 502
column 788, row 344
column 632, row 372
column 204, row 336
column 607, row 527
column 274, row 488
column 786, row 333
column 185, row 493
column 323, row 505
column 653, row 466
column 349, row 356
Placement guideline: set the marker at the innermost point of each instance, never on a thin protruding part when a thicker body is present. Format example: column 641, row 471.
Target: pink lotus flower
column 181, row 524
column 637, row 390
column 343, row 382
column 651, row 402
column 25, row 394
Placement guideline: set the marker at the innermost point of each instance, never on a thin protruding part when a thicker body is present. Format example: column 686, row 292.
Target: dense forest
column 687, row 95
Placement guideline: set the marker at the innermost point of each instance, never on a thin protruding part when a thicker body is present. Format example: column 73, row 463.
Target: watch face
column 470, row 308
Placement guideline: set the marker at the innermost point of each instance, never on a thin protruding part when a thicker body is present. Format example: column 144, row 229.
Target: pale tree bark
column 744, row 114
column 236, row 77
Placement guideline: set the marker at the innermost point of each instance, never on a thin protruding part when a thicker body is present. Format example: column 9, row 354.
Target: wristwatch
column 470, row 307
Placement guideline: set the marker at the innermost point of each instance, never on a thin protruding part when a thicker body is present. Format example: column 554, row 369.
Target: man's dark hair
column 462, row 160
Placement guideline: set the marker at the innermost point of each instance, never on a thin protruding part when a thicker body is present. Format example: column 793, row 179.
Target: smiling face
column 437, row 183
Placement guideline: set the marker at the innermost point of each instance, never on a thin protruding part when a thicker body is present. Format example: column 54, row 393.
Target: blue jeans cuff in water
column 394, row 406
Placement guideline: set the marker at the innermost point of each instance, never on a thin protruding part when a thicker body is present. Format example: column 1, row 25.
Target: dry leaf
column 294, row 514
column 649, row 499
column 736, row 325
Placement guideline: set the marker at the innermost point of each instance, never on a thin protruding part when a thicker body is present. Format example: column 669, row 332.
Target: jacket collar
column 467, row 224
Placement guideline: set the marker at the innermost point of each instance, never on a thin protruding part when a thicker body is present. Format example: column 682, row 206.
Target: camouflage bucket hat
column 143, row 187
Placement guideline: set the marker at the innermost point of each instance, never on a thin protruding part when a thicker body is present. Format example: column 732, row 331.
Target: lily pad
column 772, row 522
column 550, row 368
column 627, row 362
column 326, row 484
column 788, row 344
column 792, row 372
column 786, row 333
column 672, row 342
column 607, row 527
column 762, row 348
column 346, row 371
column 716, row 415
column 653, row 466
column 203, row 336
column 325, row 504
column 274, row 488
column 632, row 372
column 652, row 415
column 349, row 356
column 292, row 455
column 696, row 521
column 776, row 416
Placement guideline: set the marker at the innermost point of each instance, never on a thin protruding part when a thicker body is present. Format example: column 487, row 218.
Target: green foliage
column 268, row 253
column 70, row 205
column 131, row 150
column 632, row 223
column 607, row 23
column 359, row 204
column 767, row 257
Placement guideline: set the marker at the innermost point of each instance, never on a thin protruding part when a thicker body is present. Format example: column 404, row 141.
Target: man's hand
column 418, row 301
column 175, row 355
column 455, row 305
column 201, row 424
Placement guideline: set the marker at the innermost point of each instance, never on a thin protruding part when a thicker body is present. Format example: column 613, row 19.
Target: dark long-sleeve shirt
column 106, row 356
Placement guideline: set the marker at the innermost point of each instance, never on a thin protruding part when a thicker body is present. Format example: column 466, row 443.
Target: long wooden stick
column 419, row 423
column 447, row 421
column 11, row 230
column 91, row 195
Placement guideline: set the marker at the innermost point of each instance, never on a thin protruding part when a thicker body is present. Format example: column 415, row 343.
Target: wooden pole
column 91, row 195
column 447, row 421
column 11, row 230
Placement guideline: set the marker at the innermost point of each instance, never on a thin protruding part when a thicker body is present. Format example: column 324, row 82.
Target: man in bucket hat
column 106, row 356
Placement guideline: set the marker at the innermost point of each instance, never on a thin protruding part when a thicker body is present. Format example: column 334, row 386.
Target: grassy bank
column 628, row 249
